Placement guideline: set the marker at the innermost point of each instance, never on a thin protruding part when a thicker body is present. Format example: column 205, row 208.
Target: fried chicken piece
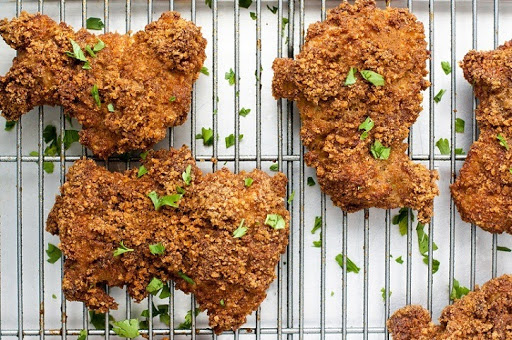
column 482, row 191
column 483, row 314
column 390, row 42
column 138, row 74
column 98, row 209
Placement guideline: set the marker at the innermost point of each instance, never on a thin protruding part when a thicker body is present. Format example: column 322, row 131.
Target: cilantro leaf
column 70, row 137
column 82, row 335
column 318, row 244
column 447, row 68
column 154, row 286
column 230, row 140
column 274, row 167
column 99, row 46
column 77, row 53
column 503, row 141
column 379, row 151
column 49, row 133
column 157, row 249
column 399, row 260
column 53, row 252
column 186, row 278
column 367, row 125
column 423, row 240
column 253, row 15
column 142, row 171
column 94, row 24
column 284, row 22
column 311, row 181
column 170, row 200
column 459, row 151
column 165, row 293
column 351, row 266
column 204, row 70
column 187, row 177
column 459, row 125
column 206, row 135
column 248, row 182
column 373, row 77
column 402, row 220
column 273, row 9
column 351, row 78
column 500, row 248
column 241, row 230
column 48, row 167
column 317, row 225
column 96, row 95
column 276, row 221
column 172, row 99
column 245, row 3
column 292, row 196
column 127, row 328
column 444, row 146
column 121, row 249
column 208, row 3
column 98, row 319
column 230, row 77
column 383, row 291
column 244, row 112
column 458, row 291
column 9, row 125
column 187, row 324
column 90, row 51
column 439, row 95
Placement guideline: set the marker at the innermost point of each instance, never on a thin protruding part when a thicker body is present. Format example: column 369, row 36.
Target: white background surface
column 226, row 114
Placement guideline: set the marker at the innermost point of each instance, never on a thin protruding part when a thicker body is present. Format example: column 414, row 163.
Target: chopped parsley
column 379, row 151
column 165, row 293
column 98, row 319
column 230, row 77
column 276, row 221
column 373, row 77
column 154, row 286
column 460, row 124
column 318, row 244
column 311, row 181
column 248, row 182
column 367, row 125
column 170, row 200
column 447, row 68
column 273, row 9
column 95, row 95
column 274, row 167
column 54, row 142
column 459, row 151
column 245, row 3
column 204, row 70
column 99, row 46
column 172, row 99
column 53, row 252
column 82, row 335
column 230, row 140
column 402, row 220
column 423, row 244
column 383, row 291
column 439, row 95
column 94, row 24
column 157, row 249
column 253, row 15
column 244, row 112
column 503, row 141
column 399, row 260
column 500, row 248
column 77, row 53
column 458, row 291
column 317, row 225
column 351, row 266
column 186, row 278
column 284, row 22
column 9, row 125
column 292, row 196
column 206, row 135
column 187, row 177
column 127, row 328
column 222, row 303
column 444, row 146
column 241, row 230
column 121, row 249
column 351, row 77
column 187, row 324
column 54, row 296
column 90, row 51
column 142, row 171
column 110, row 107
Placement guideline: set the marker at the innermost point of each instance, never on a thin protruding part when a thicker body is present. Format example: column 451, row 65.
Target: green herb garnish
column 439, row 95
column 204, row 70
column 95, row 95
column 110, row 107
column 248, row 182
column 53, row 252
column 379, row 151
column 276, row 221
column 444, row 146
column 445, row 65
column 244, row 112
column 206, row 135
column 127, row 328
column 186, row 175
column 273, row 9
column 274, row 167
column 402, row 220
column 383, row 291
column 241, row 230
column 230, row 77
column 500, row 248
column 351, row 77
column 187, row 324
column 121, row 249
column 459, row 125
column 94, row 24
column 157, row 249
column 230, row 140
column 367, row 125
column 373, row 77
column 170, row 200
column 351, row 266
column 399, row 260
column 154, row 286
column 458, row 291
column 253, row 15
column 186, row 278
column 311, row 181
column 142, row 171
column 503, row 141
column 317, row 225
column 292, row 196
column 9, row 125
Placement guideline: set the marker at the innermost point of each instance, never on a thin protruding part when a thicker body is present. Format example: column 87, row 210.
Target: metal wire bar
column 495, row 236
column 474, row 28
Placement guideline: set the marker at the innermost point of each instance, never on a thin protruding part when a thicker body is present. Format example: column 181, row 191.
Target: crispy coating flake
column 483, row 190
column 98, row 209
column 483, row 314
column 137, row 74
column 392, row 43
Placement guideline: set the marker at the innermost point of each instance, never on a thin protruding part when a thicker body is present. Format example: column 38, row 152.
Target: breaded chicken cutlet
column 482, row 191
column 99, row 212
column 125, row 90
column 483, row 314
column 351, row 115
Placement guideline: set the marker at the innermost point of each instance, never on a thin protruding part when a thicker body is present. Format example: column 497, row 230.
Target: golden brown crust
column 137, row 73
column 482, row 191
column 392, row 43
column 98, row 209
column 483, row 314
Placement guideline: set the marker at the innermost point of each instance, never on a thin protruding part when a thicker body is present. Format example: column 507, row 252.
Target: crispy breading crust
column 483, row 314
column 137, row 73
column 392, row 43
column 98, row 209
column 483, row 189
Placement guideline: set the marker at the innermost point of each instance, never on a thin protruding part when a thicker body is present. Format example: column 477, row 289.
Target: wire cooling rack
column 312, row 297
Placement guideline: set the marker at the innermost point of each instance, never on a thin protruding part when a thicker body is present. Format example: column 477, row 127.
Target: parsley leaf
column 292, row 196
column 127, row 328
column 273, row 9
column 317, row 225
column 399, row 260
column 373, row 77
column 444, row 146
column 318, row 244
column 206, row 135
column 351, row 78
column 90, row 51
column 276, row 221
column 458, row 291
column 82, row 335
column 435, row 264
column 447, row 68
column 157, row 249
column 154, row 286
column 274, row 167
column 459, row 125
column 98, row 319
column 459, row 151
column 208, row 3
column 204, row 70
column 439, row 95
column 230, row 140
column 186, row 278
column 230, row 77
column 311, row 181
column 245, row 3
column 351, row 266
column 142, row 171
column 222, row 303
column 96, row 95
column 99, row 46
column 402, row 220
column 170, row 200
column 248, row 181
column 379, row 151
column 94, row 24
column 49, row 133
column 121, row 249
column 423, row 240
column 165, row 293
column 503, row 141
column 143, row 155
column 244, row 112
column 9, row 125
column 187, row 177
column 53, row 252
column 284, row 22
column 187, row 324
column 500, row 248
column 77, row 53
column 253, row 15
column 367, row 125
column 241, row 230
column 383, row 291
column 172, row 99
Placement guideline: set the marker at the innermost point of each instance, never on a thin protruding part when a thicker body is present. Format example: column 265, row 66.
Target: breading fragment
column 483, row 189
column 98, row 209
column 137, row 74
column 483, row 314
column 390, row 42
